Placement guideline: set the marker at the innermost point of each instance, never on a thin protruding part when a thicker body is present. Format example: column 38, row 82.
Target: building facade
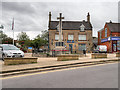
column 77, row 35
column 110, row 36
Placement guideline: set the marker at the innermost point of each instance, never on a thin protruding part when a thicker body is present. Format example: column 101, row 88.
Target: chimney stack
column 49, row 18
column 88, row 17
column 110, row 21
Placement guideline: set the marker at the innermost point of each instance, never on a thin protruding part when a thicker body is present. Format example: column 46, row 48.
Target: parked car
column 11, row 51
column 101, row 49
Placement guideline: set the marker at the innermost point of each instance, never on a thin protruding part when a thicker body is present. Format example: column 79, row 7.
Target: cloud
column 32, row 17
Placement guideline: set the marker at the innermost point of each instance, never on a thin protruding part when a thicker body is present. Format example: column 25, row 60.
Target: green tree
column 37, row 42
column 22, row 36
column 5, row 39
column 44, row 35
column 24, row 40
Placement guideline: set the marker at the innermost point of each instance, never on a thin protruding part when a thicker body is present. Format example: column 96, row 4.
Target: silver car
column 11, row 51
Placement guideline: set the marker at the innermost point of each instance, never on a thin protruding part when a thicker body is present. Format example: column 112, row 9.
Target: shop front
column 114, row 42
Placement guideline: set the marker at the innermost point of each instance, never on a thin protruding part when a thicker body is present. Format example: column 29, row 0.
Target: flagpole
column 13, row 36
column 13, row 30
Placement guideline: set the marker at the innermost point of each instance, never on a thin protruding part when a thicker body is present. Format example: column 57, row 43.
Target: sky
column 31, row 16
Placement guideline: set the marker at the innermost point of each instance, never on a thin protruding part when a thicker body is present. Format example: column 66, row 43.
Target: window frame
column 82, row 28
column 105, row 32
column 72, row 37
column 58, row 37
column 82, row 39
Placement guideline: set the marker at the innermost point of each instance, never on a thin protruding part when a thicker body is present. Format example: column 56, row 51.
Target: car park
column 11, row 51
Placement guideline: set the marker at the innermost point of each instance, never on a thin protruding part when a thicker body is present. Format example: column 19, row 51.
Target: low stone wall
column 117, row 54
column 39, row 55
column 16, row 61
column 98, row 55
column 67, row 57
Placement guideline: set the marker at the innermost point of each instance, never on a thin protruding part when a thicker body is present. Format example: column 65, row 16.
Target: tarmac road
column 101, row 76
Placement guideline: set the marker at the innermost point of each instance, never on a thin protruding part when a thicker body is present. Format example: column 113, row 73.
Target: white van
column 101, row 49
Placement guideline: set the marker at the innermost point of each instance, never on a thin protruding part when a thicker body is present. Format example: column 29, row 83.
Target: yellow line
column 53, row 71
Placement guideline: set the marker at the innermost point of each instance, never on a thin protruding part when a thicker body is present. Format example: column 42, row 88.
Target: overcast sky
column 32, row 17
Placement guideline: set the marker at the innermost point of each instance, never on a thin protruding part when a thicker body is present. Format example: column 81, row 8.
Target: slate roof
column 70, row 25
column 114, row 27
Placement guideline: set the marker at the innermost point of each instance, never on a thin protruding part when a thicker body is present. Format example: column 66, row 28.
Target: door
column 114, row 46
column 70, row 48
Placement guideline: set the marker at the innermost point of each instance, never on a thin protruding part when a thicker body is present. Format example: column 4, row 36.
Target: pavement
column 52, row 61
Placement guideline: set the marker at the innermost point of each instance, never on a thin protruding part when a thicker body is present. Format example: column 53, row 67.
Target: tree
column 44, row 35
column 22, row 36
column 37, row 42
column 5, row 39
column 24, row 40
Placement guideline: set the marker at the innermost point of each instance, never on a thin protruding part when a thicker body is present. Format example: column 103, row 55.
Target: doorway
column 70, row 48
column 114, row 46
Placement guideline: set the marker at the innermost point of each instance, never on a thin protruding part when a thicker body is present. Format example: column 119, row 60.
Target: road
column 101, row 76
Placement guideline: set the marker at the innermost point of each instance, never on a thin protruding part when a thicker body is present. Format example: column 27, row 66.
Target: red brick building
column 110, row 36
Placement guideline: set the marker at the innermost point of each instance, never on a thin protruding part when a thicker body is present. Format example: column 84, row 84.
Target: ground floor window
column 81, row 47
column 59, row 43
column 118, row 45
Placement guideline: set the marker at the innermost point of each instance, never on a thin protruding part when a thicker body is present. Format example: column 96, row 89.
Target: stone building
column 77, row 35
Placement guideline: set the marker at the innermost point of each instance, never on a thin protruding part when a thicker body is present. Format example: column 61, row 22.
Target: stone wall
column 16, row 61
column 98, row 55
column 117, row 54
column 88, row 42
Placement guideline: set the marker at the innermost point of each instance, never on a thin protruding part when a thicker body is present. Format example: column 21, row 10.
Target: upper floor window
column 70, row 37
column 57, row 37
column 82, row 37
column 105, row 32
column 82, row 28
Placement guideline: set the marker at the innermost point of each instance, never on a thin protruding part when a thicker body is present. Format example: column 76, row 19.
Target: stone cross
column 60, row 26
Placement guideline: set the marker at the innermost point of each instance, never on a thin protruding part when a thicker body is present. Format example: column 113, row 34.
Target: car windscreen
column 10, row 47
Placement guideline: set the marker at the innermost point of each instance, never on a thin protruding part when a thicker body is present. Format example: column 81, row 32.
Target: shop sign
column 104, row 40
column 70, row 41
column 110, row 38
column 115, row 38
column 29, row 47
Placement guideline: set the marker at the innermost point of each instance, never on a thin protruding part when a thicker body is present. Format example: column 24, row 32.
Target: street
column 100, row 76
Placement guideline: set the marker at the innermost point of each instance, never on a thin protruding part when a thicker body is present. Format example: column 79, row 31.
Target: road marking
column 54, row 71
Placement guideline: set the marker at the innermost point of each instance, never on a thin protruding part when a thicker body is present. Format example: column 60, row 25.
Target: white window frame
column 82, row 28
column 69, row 37
column 58, row 37
column 105, row 32
column 80, row 37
